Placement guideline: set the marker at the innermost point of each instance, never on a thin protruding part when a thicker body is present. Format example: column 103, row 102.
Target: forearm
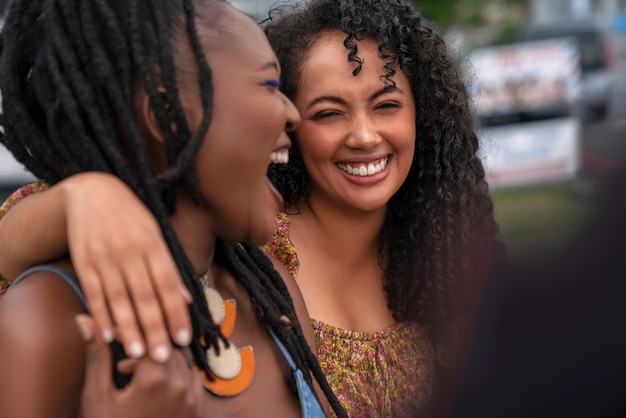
column 33, row 231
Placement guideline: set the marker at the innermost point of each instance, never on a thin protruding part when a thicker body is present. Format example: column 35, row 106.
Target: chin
column 370, row 205
column 262, row 233
column 261, row 239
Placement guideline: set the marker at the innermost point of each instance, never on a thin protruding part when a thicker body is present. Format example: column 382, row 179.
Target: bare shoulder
column 42, row 361
column 294, row 290
column 303, row 318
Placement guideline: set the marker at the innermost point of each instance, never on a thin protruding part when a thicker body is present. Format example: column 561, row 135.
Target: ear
column 149, row 118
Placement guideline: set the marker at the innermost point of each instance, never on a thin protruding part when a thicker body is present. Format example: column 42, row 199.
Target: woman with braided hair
column 388, row 226
column 144, row 95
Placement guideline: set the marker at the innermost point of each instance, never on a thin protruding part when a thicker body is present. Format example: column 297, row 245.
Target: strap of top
column 311, row 407
column 69, row 279
column 117, row 350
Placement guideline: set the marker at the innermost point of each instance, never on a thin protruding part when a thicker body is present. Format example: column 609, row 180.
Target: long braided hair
column 436, row 241
column 69, row 72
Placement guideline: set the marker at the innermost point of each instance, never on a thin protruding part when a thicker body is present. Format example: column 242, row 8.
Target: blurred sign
column 531, row 152
column 524, row 77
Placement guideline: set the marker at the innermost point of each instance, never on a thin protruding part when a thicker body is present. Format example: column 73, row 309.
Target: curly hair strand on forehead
column 439, row 226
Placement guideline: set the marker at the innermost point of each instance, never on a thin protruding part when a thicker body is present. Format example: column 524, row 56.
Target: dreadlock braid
column 270, row 300
column 69, row 70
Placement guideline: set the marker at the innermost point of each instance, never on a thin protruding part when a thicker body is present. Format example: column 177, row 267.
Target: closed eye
column 327, row 114
column 273, row 83
column 388, row 105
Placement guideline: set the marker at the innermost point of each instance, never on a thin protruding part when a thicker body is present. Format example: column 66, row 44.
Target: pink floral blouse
column 388, row 373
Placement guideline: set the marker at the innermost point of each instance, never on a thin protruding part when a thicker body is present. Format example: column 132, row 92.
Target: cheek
column 263, row 117
column 406, row 136
column 316, row 143
column 408, row 152
column 247, row 135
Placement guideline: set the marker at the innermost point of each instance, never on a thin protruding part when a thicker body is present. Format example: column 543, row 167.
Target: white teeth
column 364, row 170
column 280, row 157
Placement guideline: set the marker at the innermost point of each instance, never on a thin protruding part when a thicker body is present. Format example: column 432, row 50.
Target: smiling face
column 247, row 131
column 356, row 139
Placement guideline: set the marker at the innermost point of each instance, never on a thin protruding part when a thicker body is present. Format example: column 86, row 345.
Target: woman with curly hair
column 388, row 225
column 143, row 95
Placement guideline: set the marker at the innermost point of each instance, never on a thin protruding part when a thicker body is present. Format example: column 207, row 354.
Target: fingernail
column 83, row 328
column 183, row 338
column 136, row 350
column 161, row 354
column 107, row 335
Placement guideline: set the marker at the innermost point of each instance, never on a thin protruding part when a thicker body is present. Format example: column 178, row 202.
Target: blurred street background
column 544, row 148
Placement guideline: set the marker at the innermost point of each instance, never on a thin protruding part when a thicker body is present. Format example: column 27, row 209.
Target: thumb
column 98, row 375
column 127, row 366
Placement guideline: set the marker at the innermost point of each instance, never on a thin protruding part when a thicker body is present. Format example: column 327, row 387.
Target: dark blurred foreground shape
column 551, row 337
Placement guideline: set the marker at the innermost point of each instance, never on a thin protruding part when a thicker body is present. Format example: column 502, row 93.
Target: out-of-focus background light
column 548, row 83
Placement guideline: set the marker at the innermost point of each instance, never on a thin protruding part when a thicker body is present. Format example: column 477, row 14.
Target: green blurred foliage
column 445, row 13
column 442, row 12
column 536, row 221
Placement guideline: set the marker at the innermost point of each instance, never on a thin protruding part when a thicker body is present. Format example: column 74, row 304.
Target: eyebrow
column 341, row 101
column 270, row 64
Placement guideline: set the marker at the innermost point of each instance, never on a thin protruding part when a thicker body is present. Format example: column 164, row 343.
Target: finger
column 98, row 376
column 109, row 246
column 149, row 312
column 167, row 282
column 94, row 294
column 127, row 366
column 120, row 305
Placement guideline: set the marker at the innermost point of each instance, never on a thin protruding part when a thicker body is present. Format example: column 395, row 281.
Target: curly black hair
column 69, row 72
column 438, row 234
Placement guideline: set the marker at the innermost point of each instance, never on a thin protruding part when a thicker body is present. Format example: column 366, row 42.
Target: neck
column 351, row 233
column 194, row 232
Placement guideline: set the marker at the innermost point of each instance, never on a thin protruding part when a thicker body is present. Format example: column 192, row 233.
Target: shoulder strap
column 309, row 403
column 117, row 350
column 69, row 279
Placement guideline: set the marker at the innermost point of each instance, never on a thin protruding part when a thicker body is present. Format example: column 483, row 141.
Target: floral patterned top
column 388, row 373
column 15, row 197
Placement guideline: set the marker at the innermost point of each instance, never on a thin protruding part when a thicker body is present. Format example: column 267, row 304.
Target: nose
column 293, row 116
column 363, row 134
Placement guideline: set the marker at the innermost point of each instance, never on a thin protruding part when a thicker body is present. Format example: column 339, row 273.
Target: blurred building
column 602, row 12
column 256, row 9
